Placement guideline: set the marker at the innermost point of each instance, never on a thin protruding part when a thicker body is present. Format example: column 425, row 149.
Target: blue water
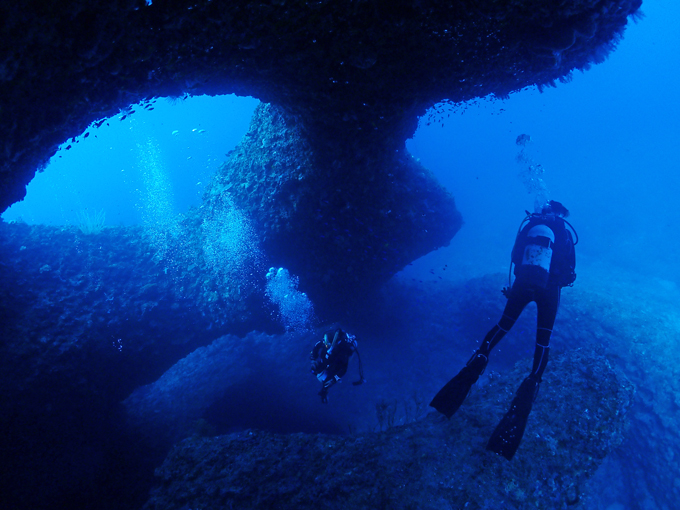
column 160, row 157
column 607, row 142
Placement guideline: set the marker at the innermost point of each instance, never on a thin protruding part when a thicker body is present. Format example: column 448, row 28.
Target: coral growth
column 91, row 223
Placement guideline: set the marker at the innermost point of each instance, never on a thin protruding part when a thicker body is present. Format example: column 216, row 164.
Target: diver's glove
column 324, row 395
column 506, row 292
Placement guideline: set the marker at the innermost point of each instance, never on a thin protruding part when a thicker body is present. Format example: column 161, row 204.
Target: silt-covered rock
column 578, row 418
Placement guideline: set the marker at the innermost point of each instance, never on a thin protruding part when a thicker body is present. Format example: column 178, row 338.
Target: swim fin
column 454, row 392
column 508, row 434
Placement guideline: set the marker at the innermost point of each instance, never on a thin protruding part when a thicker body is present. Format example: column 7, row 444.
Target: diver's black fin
column 508, row 434
column 454, row 392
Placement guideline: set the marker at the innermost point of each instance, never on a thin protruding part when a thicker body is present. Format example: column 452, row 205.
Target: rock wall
column 343, row 222
column 116, row 295
column 84, row 320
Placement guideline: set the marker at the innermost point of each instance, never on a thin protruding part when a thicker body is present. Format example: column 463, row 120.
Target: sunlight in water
column 157, row 209
column 230, row 247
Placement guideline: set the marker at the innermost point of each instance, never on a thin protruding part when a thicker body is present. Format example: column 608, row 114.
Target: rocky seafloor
column 602, row 425
column 114, row 350
column 429, row 463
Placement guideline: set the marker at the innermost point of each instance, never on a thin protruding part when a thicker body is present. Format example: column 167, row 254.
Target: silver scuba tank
column 538, row 254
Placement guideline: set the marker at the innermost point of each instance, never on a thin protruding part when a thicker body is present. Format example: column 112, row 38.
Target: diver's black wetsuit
column 544, row 261
column 318, row 356
column 330, row 364
column 547, row 302
column 525, row 290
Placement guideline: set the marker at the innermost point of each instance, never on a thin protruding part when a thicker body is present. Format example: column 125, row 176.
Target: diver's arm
column 336, row 338
column 316, row 351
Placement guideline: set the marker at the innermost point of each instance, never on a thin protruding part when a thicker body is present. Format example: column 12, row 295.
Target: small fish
column 175, row 132
column 123, row 117
column 68, row 147
column 86, row 134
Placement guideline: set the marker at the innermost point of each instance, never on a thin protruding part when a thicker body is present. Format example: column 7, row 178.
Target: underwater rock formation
column 113, row 299
column 578, row 418
column 84, row 320
column 168, row 410
column 64, row 444
column 342, row 224
column 635, row 328
column 357, row 76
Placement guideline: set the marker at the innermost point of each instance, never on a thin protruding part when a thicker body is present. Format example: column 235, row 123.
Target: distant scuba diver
column 544, row 260
column 330, row 359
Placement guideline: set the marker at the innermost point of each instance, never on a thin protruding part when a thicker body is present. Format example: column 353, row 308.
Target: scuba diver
column 330, row 359
column 544, row 260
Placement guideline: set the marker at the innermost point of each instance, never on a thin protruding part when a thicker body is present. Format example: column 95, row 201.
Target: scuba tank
column 538, row 252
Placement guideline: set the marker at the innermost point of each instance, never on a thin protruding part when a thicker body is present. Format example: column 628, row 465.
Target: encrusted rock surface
column 62, row 374
column 343, row 225
column 84, row 320
column 432, row 463
column 111, row 296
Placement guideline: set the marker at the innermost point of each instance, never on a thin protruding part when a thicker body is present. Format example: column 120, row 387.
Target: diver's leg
column 508, row 434
column 330, row 381
column 518, row 300
column 449, row 399
column 547, row 304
